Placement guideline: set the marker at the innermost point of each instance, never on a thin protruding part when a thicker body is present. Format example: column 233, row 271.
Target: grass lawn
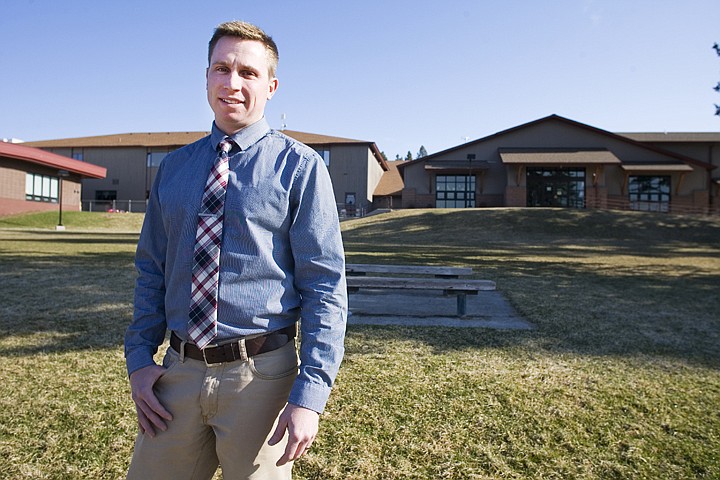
column 620, row 379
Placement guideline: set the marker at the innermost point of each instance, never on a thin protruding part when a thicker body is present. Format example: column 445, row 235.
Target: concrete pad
column 431, row 308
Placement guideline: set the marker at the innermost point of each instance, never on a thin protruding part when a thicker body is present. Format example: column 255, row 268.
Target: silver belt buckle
column 206, row 360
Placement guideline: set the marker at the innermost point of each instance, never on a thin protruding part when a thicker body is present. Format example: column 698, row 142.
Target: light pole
column 468, row 200
column 61, row 174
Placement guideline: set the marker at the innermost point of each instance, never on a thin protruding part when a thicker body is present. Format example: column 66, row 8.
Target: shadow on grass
column 58, row 304
column 534, row 227
column 53, row 304
column 585, row 310
column 594, row 283
column 545, row 262
column 48, row 236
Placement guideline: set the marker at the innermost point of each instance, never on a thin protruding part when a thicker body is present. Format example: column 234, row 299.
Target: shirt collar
column 245, row 138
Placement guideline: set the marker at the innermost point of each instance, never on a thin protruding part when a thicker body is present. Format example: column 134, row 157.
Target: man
column 240, row 241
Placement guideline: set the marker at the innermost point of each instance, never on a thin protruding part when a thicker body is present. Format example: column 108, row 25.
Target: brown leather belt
column 231, row 351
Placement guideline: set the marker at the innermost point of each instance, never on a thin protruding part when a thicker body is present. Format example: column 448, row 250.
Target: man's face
column 239, row 83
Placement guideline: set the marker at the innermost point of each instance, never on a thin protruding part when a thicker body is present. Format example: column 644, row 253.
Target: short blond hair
column 246, row 31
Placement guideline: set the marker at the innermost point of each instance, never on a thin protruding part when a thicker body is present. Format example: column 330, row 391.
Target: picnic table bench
column 446, row 279
column 440, row 272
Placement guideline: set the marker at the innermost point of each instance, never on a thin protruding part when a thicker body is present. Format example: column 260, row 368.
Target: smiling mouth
column 230, row 101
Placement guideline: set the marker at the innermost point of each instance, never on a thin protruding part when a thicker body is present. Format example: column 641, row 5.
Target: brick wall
column 515, row 196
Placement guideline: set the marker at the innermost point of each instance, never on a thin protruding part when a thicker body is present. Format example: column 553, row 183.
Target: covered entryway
column 555, row 187
column 569, row 178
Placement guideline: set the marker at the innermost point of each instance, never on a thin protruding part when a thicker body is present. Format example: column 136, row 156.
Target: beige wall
column 127, row 173
column 374, row 174
column 126, row 169
column 704, row 151
column 353, row 168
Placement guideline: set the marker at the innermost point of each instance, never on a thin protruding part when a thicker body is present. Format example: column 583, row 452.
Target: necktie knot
column 226, row 145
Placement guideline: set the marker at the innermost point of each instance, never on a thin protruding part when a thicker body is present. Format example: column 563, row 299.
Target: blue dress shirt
column 281, row 260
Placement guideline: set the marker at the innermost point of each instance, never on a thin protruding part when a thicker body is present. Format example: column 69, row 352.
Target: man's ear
column 272, row 87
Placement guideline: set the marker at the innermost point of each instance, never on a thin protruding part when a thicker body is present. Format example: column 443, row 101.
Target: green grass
column 620, row 379
column 75, row 221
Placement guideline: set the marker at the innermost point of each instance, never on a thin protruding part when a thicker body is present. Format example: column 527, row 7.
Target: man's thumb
column 279, row 432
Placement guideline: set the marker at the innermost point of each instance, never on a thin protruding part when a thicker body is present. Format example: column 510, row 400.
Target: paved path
column 429, row 308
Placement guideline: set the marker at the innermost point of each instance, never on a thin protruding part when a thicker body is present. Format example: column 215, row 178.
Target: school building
column 558, row 162
column 549, row 162
column 36, row 180
column 132, row 161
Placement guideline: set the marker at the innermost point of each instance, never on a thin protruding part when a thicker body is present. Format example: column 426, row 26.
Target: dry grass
column 621, row 378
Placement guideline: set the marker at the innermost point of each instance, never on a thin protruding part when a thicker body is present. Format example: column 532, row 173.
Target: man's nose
column 234, row 81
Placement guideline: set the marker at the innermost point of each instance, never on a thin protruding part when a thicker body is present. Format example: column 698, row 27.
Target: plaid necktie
column 202, row 327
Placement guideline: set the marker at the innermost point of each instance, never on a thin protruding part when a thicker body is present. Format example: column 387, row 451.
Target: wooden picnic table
column 446, row 280
column 438, row 271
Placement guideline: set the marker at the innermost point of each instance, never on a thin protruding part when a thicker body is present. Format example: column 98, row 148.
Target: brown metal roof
column 158, row 139
column 179, row 139
column 570, row 157
column 41, row 157
column 391, row 183
column 316, row 139
column 659, row 137
column 171, row 139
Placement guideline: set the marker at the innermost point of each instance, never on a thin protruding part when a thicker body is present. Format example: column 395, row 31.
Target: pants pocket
column 277, row 364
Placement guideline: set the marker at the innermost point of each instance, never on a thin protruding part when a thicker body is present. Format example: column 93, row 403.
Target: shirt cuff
column 308, row 395
column 138, row 358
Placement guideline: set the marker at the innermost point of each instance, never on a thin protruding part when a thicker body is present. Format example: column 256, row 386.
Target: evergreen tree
column 408, row 157
column 422, row 152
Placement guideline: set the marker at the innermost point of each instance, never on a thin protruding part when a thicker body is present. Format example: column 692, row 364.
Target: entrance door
column 555, row 187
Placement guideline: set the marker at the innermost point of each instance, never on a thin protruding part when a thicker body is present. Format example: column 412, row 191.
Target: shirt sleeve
column 319, row 274
column 147, row 329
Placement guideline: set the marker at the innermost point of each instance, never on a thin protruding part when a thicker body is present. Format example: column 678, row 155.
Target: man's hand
column 302, row 427
column 150, row 412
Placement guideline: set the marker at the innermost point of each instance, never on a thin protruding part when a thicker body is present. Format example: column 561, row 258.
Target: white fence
column 134, row 206
column 139, row 206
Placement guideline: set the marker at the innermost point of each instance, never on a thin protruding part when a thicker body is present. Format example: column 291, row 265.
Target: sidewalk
column 421, row 308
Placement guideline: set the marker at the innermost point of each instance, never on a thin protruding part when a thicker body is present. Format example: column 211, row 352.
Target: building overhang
column 457, row 167
column 558, row 157
column 51, row 160
column 657, row 168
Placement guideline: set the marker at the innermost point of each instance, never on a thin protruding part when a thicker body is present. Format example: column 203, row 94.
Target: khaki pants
column 223, row 414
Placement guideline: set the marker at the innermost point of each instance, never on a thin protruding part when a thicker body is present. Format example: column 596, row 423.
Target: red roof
column 41, row 157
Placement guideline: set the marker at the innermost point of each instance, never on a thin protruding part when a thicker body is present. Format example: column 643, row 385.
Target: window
column 325, row 154
column 105, row 195
column 77, row 154
column 154, row 159
column 455, row 191
column 555, row 187
column 649, row 193
column 41, row 188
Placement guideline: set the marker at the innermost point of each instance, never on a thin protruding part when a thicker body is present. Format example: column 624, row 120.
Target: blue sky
column 399, row 73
